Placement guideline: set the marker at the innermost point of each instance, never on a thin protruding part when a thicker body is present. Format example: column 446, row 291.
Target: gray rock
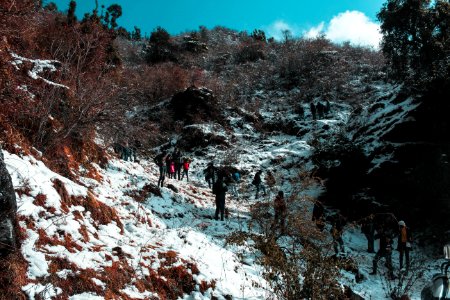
column 8, row 209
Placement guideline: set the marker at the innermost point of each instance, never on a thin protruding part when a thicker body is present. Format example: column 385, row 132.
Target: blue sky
column 354, row 18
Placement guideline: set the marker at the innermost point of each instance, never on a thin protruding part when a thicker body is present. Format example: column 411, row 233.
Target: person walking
column 186, row 164
column 368, row 229
column 168, row 161
column 404, row 243
column 178, row 159
column 384, row 251
column 210, row 173
column 312, row 107
column 160, row 162
column 270, row 180
column 257, row 181
column 318, row 215
column 280, row 208
column 234, row 183
column 336, row 234
column 220, row 189
column 172, row 169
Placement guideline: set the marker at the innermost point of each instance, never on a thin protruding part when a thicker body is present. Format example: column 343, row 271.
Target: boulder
column 195, row 105
column 8, row 209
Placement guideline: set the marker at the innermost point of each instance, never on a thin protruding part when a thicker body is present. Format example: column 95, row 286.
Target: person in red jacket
column 186, row 163
column 404, row 243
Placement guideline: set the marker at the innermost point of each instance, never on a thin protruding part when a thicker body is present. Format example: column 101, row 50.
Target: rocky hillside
column 324, row 119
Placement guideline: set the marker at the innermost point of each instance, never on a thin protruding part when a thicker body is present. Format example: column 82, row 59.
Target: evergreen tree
column 51, row 6
column 160, row 48
column 71, row 18
column 415, row 38
column 259, row 35
column 114, row 11
column 136, row 34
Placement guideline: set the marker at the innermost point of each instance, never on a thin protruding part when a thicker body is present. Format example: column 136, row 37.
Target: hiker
column 172, row 169
column 257, row 181
column 320, row 109
column 186, row 163
column 327, row 109
column 160, row 162
column 317, row 215
column 210, row 174
column 301, row 111
column 234, row 183
column 384, row 251
column 128, row 152
column 279, row 205
column 135, row 145
column 312, row 107
column 178, row 159
column 220, row 189
column 404, row 243
column 336, row 233
column 270, row 180
column 368, row 229
column 168, row 163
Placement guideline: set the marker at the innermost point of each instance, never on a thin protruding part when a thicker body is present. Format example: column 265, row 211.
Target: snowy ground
column 175, row 221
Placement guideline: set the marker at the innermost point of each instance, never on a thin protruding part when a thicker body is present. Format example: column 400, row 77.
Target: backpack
column 236, row 176
column 158, row 159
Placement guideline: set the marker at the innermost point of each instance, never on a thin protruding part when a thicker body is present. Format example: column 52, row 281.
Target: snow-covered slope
column 124, row 236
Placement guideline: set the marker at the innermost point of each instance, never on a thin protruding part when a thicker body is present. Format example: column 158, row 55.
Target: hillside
column 328, row 121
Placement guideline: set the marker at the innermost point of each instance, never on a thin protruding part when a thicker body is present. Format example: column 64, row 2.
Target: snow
column 39, row 66
column 182, row 222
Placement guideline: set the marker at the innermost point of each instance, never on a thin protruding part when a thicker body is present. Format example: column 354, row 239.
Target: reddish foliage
column 40, row 200
column 13, row 276
column 55, row 240
column 100, row 212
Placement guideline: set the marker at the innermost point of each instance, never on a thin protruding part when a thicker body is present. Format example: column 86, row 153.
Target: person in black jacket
column 220, row 189
column 312, row 107
column 368, row 228
column 210, row 173
column 318, row 215
column 384, row 251
column 257, row 181
column 178, row 159
column 160, row 160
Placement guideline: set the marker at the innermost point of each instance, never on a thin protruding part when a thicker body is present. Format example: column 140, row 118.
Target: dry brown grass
column 13, row 276
column 101, row 213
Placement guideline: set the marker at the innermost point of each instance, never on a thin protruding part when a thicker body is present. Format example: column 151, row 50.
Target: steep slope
column 408, row 150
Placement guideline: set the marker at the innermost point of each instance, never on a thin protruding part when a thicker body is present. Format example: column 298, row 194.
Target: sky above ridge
column 338, row 20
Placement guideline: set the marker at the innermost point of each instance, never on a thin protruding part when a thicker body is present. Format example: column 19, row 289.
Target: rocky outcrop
column 8, row 208
column 201, row 136
column 407, row 140
column 195, row 105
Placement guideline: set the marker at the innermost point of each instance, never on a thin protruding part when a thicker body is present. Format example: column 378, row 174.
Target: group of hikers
column 225, row 179
column 222, row 180
column 382, row 230
column 319, row 110
column 386, row 236
column 127, row 151
column 174, row 165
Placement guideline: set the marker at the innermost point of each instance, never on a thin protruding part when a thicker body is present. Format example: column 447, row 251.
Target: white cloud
column 352, row 26
column 355, row 27
column 276, row 29
column 314, row 31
